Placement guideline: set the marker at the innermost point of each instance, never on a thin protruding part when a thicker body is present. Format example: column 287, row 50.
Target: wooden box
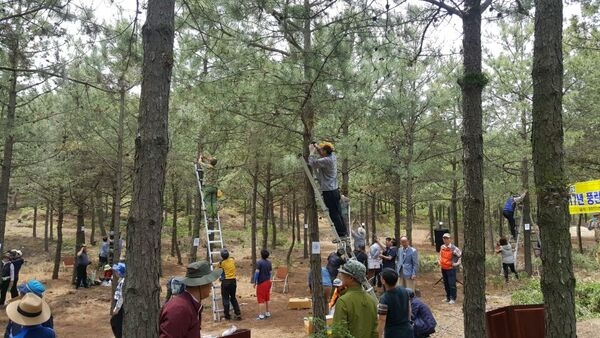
column 309, row 328
column 300, row 303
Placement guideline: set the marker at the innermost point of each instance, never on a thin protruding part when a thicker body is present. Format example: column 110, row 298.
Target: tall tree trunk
column 490, row 226
column 118, row 178
column 266, row 202
column 35, row 215
column 9, row 138
column 579, row 242
column 93, row 223
column 59, row 239
column 99, row 211
column 189, row 211
column 253, row 211
column 46, row 223
column 472, row 84
column 558, row 280
column 273, row 223
column 526, row 217
column 51, row 222
column 431, row 225
column 397, row 215
column 196, row 228
column 174, row 242
column 142, row 290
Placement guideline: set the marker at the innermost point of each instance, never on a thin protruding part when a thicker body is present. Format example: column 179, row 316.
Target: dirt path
column 85, row 312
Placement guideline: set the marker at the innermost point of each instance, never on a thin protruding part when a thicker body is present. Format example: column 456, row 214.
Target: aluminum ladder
column 213, row 245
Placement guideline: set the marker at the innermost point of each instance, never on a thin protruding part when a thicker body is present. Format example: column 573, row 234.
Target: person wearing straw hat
column 38, row 289
column 355, row 309
column 30, row 311
column 181, row 315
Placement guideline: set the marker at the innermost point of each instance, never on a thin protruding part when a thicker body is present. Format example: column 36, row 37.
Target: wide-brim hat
column 200, row 273
column 354, row 269
column 29, row 310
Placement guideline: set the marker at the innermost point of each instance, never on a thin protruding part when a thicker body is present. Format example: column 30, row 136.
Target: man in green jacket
column 355, row 310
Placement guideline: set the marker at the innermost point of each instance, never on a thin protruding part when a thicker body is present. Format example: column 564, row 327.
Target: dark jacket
column 180, row 317
column 423, row 321
column 13, row 328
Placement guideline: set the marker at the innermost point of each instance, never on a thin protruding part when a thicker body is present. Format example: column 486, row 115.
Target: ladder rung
column 213, row 231
column 212, row 242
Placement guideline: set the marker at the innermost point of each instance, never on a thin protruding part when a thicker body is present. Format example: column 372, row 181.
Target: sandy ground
column 85, row 312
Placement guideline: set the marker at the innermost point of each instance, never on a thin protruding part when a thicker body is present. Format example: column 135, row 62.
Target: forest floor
column 84, row 313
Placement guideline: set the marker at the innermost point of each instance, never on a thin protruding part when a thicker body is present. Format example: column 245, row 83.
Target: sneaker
column 451, row 301
column 267, row 314
column 238, row 317
column 445, row 300
column 261, row 317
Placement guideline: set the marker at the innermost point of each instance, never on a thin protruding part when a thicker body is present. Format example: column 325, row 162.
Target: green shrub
column 428, row 263
column 587, row 297
column 529, row 293
column 584, row 261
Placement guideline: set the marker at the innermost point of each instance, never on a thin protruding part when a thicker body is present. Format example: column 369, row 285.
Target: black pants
column 116, row 323
column 506, row 266
column 510, row 216
column 3, row 291
column 332, row 202
column 13, row 290
column 81, row 276
column 228, row 289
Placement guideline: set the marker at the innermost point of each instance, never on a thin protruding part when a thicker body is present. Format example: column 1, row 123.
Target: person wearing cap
column 181, row 316
column 326, row 281
column 8, row 277
column 83, row 260
column 355, row 309
column 449, row 259
column 17, row 261
column 229, row 285
column 262, row 283
column 116, row 320
column 38, row 289
column 423, row 321
column 338, row 288
column 334, row 261
column 326, row 170
column 31, row 312
column 393, row 308
column 408, row 263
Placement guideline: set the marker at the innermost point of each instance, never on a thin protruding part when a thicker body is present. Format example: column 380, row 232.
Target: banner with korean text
column 585, row 197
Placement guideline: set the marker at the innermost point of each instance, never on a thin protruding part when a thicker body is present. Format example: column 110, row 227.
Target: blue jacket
column 423, row 321
column 407, row 262
column 325, row 278
column 509, row 205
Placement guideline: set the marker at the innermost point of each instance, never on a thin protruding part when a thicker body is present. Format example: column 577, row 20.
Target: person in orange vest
column 338, row 288
column 449, row 259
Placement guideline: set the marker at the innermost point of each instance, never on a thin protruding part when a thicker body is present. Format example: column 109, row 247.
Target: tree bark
column 431, row 225
column 79, row 235
column 174, row 242
column 9, row 138
column 557, row 280
column 196, row 227
column 35, row 215
column 472, row 84
column 142, row 290
column 93, row 222
column 51, row 222
column 46, row 223
column 253, row 211
column 59, row 240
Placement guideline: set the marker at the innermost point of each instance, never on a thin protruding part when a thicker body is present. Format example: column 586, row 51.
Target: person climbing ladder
column 509, row 211
column 325, row 166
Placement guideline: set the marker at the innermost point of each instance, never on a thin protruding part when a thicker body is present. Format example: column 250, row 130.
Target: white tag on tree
column 316, row 248
column 196, row 241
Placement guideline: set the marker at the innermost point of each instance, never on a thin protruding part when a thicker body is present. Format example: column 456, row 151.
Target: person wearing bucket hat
column 31, row 286
column 30, row 312
column 326, row 167
column 181, row 315
column 107, row 275
column 355, row 309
